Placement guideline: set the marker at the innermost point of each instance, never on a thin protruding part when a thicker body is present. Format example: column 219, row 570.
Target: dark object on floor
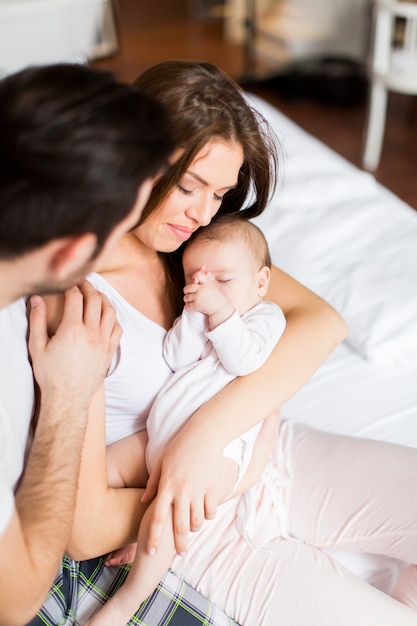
column 333, row 80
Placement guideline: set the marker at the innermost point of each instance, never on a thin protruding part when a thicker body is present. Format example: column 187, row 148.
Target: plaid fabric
column 82, row 587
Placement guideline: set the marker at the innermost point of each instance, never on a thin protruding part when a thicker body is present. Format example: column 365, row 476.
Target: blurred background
column 309, row 58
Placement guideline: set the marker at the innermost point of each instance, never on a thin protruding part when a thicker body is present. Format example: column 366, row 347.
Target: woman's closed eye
column 188, row 192
column 185, row 191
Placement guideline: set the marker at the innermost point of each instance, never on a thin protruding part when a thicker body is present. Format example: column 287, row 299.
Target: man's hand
column 69, row 368
column 186, row 478
column 74, row 362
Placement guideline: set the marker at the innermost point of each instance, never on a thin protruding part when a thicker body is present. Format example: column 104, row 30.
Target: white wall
column 51, row 31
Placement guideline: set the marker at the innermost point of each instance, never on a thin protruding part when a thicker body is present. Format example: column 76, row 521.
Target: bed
column 339, row 232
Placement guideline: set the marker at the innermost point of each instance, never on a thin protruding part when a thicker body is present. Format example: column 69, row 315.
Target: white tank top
column 138, row 369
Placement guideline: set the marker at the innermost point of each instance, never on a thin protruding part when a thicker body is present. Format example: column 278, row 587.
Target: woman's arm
column 105, row 518
column 188, row 474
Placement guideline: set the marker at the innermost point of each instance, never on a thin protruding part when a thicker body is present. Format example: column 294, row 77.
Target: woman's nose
column 202, row 210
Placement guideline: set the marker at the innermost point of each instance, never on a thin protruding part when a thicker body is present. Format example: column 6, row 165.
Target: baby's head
column 235, row 252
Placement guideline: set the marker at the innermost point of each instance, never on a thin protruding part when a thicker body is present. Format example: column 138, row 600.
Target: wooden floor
column 154, row 30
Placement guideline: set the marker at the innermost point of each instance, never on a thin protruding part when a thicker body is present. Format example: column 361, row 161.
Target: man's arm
column 69, row 368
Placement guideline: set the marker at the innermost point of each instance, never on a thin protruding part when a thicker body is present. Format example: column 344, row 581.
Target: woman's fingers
column 187, row 516
column 161, row 511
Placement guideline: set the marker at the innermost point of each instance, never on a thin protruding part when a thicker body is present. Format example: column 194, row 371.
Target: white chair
column 393, row 68
column 37, row 32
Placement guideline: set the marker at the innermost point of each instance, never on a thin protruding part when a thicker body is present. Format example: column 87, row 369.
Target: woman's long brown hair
column 205, row 104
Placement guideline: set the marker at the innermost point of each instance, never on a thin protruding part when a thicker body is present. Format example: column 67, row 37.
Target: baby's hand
column 202, row 276
column 204, row 295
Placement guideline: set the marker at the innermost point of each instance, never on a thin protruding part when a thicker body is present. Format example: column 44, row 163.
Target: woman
column 225, row 156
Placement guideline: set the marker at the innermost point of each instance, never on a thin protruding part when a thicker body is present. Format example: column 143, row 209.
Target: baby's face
column 231, row 266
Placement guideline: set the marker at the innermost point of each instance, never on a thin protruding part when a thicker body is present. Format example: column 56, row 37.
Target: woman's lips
column 180, row 232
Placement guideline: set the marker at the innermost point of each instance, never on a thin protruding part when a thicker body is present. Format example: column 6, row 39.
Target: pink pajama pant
column 334, row 492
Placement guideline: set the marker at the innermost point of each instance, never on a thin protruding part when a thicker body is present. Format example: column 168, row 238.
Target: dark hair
column 75, row 147
column 225, row 228
column 205, row 104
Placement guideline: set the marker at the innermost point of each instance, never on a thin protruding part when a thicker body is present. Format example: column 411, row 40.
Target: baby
column 226, row 330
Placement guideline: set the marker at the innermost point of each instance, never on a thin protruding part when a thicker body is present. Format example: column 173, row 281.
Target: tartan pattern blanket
column 80, row 588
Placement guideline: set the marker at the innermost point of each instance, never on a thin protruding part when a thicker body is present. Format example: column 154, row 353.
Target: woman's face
column 196, row 198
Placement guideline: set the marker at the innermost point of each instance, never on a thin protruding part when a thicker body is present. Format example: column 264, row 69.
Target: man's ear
column 70, row 254
column 263, row 277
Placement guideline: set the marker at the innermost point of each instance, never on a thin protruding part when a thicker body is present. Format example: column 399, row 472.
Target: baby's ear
column 263, row 277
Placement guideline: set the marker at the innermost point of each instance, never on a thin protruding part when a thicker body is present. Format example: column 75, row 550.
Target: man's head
column 78, row 151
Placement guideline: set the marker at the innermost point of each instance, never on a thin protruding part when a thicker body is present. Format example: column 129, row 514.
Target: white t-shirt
column 16, row 402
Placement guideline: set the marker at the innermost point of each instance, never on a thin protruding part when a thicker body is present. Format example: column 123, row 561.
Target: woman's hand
column 186, row 478
column 188, row 475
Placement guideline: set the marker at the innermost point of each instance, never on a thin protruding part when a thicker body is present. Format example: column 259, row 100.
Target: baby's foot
column 122, row 556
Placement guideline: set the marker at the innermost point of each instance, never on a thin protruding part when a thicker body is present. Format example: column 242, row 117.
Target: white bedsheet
column 334, row 228
column 338, row 231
